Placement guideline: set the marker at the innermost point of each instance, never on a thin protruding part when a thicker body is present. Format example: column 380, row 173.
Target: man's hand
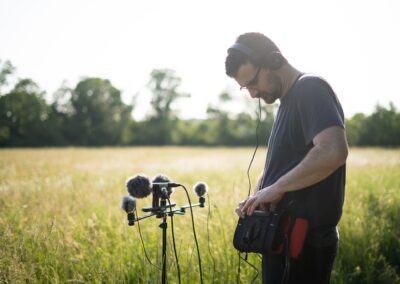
column 238, row 210
column 269, row 195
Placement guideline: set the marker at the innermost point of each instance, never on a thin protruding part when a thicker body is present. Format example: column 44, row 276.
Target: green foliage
column 93, row 114
column 6, row 69
column 370, row 246
column 99, row 115
column 354, row 128
column 24, row 116
column 164, row 84
column 381, row 128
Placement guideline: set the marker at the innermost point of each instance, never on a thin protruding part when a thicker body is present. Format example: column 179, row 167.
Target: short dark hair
column 257, row 42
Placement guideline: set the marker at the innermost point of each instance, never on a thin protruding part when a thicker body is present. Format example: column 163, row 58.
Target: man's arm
column 329, row 153
column 258, row 184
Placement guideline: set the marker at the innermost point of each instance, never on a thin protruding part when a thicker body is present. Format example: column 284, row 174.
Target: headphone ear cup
column 275, row 60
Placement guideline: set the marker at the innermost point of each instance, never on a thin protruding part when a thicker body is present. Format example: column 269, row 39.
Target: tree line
column 93, row 114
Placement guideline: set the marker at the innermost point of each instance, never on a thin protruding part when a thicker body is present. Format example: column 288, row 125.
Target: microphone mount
column 161, row 192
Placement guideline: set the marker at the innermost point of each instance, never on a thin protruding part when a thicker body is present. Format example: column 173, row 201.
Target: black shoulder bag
column 263, row 232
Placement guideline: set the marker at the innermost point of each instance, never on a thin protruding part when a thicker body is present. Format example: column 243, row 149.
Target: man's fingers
column 244, row 207
column 252, row 207
column 243, row 202
column 239, row 212
column 249, row 203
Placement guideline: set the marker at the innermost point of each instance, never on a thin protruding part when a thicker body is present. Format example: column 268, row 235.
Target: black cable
column 238, row 271
column 255, row 150
column 208, row 236
column 194, row 233
column 248, row 177
column 285, row 277
column 144, row 248
column 173, row 241
column 252, row 265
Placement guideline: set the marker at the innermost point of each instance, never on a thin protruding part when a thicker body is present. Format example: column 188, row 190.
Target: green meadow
column 61, row 222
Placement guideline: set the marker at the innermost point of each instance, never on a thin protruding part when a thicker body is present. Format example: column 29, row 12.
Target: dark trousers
column 314, row 265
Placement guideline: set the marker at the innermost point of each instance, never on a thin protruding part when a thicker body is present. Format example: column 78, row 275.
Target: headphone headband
column 246, row 50
column 274, row 60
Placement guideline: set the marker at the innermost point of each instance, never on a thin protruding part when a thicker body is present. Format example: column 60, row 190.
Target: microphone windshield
column 161, row 178
column 200, row 188
column 138, row 186
column 128, row 204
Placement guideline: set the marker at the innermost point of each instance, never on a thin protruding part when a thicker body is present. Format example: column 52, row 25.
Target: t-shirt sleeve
column 318, row 108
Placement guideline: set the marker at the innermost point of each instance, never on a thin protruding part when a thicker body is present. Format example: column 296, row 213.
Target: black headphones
column 273, row 60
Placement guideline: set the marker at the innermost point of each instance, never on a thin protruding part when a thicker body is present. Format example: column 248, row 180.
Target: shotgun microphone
column 128, row 204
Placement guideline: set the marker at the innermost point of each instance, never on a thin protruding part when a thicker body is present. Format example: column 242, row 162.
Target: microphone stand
column 164, row 226
column 160, row 212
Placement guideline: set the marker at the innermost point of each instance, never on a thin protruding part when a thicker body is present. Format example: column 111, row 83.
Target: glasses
column 252, row 82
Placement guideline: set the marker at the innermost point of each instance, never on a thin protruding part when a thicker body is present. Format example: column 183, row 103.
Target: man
column 306, row 156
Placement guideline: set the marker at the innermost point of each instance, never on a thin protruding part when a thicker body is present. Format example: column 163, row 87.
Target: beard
column 276, row 91
column 269, row 98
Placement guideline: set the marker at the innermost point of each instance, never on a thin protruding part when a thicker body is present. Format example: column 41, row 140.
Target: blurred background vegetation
column 60, row 220
column 93, row 114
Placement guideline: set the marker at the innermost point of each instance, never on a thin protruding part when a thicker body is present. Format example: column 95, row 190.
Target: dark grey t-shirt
column 309, row 107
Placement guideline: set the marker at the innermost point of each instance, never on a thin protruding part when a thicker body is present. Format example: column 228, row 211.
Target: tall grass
column 60, row 220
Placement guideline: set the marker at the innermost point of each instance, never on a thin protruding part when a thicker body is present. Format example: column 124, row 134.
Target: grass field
column 60, row 220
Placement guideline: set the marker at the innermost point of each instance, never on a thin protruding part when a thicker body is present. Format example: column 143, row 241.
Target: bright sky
column 355, row 45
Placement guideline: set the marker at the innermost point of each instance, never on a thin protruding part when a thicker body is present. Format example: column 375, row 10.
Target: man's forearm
column 329, row 153
column 259, row 181
column 318, row 164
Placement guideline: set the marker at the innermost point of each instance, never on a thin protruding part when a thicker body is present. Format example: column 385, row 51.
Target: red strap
column 298, row 237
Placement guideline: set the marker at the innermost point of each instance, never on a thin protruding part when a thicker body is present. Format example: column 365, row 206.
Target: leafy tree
column 6, row 69
column 94, row 113
column 382, row 127
column 164, row 85
column 23, row 116
column 354, row 128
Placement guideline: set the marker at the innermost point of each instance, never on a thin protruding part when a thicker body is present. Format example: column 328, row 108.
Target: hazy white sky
column 353, row 44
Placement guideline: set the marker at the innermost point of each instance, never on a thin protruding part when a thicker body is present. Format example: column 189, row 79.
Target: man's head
column 253, row 61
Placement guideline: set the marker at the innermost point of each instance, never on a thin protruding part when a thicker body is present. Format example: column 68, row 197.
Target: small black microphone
column 138, row 186
column 128, row 204
column 201, row 190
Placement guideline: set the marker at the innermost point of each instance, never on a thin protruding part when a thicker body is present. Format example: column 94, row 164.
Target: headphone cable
column 255, row 150
column 252, row 265
column 249, row 180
